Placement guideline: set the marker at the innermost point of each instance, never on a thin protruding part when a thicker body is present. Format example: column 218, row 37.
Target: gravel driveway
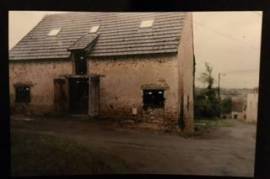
column 225, row 151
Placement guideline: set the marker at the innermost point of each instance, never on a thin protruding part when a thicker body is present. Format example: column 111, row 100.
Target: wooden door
column 94, row 96
column 61, row 99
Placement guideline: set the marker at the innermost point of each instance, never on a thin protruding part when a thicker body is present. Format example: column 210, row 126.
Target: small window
column 80, row 64
column 22, row 94
column 54, row 32
column 153, row 98
column 146, row 23
column 94, row 29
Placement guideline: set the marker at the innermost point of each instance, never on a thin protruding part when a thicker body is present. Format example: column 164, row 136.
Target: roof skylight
column 94, row 29
column 54, row 32
column 146, row 23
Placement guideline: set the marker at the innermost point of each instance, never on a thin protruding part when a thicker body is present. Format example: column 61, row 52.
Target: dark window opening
column 22, row 94
column 153, row 99
column 80, row 63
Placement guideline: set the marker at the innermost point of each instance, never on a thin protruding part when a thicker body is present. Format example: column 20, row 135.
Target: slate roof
column 119, row 34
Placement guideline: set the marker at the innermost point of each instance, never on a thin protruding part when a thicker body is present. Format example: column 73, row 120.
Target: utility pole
column 219, row 79
column 219, row 96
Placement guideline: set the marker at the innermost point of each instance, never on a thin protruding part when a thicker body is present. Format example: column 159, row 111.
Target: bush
column 226, row 106
column 207, row 104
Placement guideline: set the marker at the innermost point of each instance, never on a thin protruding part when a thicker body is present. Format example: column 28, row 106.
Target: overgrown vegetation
column 209, row 123
column 206, row 77
column 205, row 125
column 226, row 105
column 208, row 103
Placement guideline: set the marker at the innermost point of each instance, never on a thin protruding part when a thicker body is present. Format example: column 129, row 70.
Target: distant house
column 252, row 106
column 238, row 107
column 107, row 64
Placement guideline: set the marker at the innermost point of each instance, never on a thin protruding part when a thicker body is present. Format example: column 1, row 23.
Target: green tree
column 206, row 77
column 206, row 101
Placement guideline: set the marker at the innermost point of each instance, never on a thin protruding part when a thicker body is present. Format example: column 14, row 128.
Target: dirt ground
column 224, row 151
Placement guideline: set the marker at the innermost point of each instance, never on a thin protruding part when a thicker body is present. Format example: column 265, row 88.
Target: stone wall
column 121, row 88
column 40, row 76
column 124, row 81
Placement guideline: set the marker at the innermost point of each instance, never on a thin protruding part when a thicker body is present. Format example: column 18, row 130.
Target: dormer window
column 54, row 32
column 80, row 63
column 94, row 29
column 146, row 23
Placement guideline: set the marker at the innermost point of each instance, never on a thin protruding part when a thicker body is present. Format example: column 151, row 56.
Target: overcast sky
column 229, row 41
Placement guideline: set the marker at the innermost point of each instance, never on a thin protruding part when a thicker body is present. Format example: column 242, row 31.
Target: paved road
column 226, row 151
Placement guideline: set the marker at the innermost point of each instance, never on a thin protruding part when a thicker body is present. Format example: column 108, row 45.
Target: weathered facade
column 119, row 70
column 251, row 111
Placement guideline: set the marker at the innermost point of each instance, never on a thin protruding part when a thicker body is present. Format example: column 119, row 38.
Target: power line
column 226, row 35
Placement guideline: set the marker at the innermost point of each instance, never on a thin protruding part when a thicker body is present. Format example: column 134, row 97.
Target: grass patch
column 213, row 123
column 205, row 125
column 35, row 154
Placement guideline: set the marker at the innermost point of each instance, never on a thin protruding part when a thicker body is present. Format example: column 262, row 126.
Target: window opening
column 146, row 23
column 54, row 32
column 22, row 94
column 80, row 63
column 94, row 29
column 153, row 98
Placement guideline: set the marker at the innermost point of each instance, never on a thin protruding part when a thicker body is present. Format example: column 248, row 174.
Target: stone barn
column 117, row 65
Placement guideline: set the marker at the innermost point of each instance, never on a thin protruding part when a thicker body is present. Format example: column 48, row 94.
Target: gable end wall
column 186, row 77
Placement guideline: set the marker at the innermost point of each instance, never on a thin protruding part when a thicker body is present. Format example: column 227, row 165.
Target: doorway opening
column 79, row 95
